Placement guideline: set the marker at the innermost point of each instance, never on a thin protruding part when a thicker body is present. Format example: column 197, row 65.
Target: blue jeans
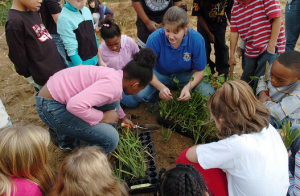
column 292, row 24
column 150, row 93
column 60, row 47
column 70, row 128
column 257, row 67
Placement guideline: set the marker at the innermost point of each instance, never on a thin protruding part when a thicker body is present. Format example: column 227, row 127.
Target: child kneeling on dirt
column 251, row 150
column 279, row 91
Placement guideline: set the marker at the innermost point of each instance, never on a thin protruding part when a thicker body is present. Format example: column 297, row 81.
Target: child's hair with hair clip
column 183, row 180
column 238, row 108
column 141, row 66
column 87, row 172
column 23, row 154
column 109, row 29
column 176, row 17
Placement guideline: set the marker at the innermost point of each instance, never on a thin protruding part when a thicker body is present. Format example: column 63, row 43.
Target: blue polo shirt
column 188, row 56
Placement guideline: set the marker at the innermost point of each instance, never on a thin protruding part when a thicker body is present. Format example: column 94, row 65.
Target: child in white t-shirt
column 4, row 118
column 251, row 150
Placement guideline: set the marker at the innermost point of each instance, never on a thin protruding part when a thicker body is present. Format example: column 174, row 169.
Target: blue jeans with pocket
column 70, row 128
column 292, row 24
column 257, row 67
column 150, row 93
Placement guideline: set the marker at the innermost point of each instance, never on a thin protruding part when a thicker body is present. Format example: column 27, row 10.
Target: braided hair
column 183, row 180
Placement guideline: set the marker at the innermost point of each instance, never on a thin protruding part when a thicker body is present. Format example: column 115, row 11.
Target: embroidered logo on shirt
column 187, row 56
column 41, row 32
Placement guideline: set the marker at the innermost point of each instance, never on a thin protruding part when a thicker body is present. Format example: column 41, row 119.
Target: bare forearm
column 276, row 24
column 233, row 41
column 140, row 11
column 156, row 83
column 203, row 24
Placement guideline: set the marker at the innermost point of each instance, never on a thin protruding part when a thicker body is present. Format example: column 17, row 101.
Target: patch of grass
column 4, row 7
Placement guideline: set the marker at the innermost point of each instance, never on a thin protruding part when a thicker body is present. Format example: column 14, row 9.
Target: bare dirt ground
column 17, row 94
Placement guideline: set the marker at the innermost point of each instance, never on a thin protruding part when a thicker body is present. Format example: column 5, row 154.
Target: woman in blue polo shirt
column 180, row 53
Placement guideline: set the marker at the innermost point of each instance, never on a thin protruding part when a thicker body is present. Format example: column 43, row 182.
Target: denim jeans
column 150, row 93
column 292, row 24
column 70, row 128
column 221, row 51
column 257, row 67
column 60, row 47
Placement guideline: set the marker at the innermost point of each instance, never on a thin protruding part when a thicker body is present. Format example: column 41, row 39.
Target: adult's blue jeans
column 257, row 67
column 292, row 24
column 70, row 128
column 150, row 93
column 60, row 48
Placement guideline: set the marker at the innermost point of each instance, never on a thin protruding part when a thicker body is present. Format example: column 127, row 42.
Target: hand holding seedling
column 185, row 94
column 263, row 97
column 110, row 117
column 165, row 94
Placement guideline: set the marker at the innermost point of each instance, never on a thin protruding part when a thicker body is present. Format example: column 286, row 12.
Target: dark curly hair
column 141, row 66
column 183, row 180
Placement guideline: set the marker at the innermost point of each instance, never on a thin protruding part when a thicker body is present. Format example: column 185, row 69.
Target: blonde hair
column 87, row 172
column 176, row 17
column 239, row 110
column 23, row 154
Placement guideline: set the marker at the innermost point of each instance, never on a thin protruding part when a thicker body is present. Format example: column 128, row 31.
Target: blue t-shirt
column 188, row 56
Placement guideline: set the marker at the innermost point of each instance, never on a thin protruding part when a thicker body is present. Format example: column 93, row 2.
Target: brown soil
column 17, row 95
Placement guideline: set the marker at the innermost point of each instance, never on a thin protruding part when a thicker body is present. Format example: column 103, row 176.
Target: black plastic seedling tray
column 183, row 131
column 177, row 128
column 136, row 185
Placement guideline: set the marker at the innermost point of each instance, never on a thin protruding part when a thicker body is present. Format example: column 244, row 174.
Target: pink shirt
column 118, row 60
column 25, row 188
column 83, row 87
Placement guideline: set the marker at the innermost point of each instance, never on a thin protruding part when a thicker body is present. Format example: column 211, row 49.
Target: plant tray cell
column 152, row 174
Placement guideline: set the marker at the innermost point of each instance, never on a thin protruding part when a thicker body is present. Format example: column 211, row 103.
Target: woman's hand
column 110, row 117
column 185, row 94
column 165, row 94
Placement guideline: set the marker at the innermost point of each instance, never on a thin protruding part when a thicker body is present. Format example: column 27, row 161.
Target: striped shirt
column 294, row 189
column 253, row 21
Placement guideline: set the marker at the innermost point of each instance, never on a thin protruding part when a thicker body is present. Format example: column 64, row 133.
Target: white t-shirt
column 256, row 164
column 3, row 115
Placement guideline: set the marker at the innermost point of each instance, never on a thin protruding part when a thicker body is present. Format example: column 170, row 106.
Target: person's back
column 250, row 150
column 25, row 187
column 75, row 26
column 31, row 47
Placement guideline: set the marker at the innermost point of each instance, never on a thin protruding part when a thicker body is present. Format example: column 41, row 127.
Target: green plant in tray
column 192, row 115
column 131, row 156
